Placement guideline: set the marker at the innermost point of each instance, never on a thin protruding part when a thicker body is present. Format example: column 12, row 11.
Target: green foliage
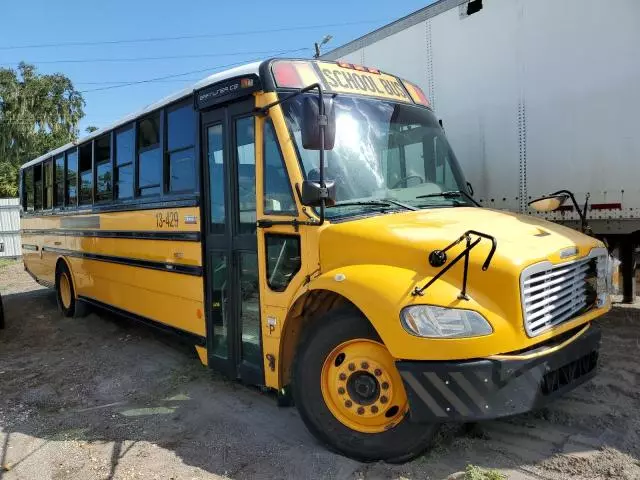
column 473, row 472
column 37, row 113
column 91, row 129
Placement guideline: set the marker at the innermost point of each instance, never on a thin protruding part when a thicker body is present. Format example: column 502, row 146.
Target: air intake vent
column 554, row 294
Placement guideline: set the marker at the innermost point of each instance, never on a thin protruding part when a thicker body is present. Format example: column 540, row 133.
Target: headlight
column 441, row 322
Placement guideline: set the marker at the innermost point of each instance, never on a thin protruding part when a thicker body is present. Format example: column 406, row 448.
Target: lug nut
column 341, row 391
column 343, row 377
column 385, row 385
column 374, row 409
column 383, row 399
column 377, row 372
column 352, row 367
column 360, row 410
column 364, row 365
column 348, row 404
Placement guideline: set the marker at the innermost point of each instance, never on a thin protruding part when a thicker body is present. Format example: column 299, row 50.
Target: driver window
column 278, row 198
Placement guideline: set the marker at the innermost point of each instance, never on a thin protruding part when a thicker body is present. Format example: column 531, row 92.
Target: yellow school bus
column 306, row 226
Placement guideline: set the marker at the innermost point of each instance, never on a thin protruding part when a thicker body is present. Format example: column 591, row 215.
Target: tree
column 90, row 129
column 37, row 113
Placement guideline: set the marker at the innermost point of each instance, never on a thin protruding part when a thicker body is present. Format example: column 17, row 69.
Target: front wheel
column 350, row 394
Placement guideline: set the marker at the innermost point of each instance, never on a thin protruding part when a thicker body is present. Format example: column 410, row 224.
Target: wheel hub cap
column 362, row 387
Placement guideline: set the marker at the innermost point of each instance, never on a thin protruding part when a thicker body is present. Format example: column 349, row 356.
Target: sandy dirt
column 103, row 398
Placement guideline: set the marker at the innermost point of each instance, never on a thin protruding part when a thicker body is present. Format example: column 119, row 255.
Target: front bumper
column 497, row 387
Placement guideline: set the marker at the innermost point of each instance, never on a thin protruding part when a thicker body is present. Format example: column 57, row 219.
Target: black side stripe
column 192, row 338
column 130, row 234
column 29, row 246
column 132, row 262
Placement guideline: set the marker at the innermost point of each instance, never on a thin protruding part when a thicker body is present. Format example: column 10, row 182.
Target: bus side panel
column 152, row 291
column 170, row 298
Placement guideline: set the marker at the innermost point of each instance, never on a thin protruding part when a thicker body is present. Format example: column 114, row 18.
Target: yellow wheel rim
column 65, row 290
column 362, row 387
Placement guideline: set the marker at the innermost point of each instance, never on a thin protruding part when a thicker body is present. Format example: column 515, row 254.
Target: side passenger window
column 283, row 260
column 278, row 198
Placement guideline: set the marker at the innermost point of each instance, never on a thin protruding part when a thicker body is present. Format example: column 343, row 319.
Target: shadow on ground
column 101, row 397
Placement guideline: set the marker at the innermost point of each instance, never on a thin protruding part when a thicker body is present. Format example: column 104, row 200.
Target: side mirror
column 311, row 123
column 312, row 193
column 548, row 203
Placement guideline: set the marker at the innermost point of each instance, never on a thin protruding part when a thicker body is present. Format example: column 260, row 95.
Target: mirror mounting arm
column 582, row 212
column 264, row 110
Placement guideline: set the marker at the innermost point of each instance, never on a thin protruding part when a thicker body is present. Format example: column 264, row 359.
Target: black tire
column 76, row 308
column 398, row 444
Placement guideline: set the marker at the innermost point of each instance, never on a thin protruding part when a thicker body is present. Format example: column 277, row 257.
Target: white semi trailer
column 535, row 96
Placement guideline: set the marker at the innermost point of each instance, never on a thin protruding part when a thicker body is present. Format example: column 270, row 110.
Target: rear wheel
column 67, row 303
column 350, row 394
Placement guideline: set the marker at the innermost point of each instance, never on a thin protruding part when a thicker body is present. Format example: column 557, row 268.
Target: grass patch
column 5, row 262
column 473, row 472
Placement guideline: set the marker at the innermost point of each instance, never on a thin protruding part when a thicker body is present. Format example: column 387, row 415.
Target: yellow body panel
column 376, row 262
column 171, row 298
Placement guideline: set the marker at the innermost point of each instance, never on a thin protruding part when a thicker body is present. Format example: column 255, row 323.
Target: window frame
column 133, row 126
column 26, row 172
column 269, row 235
column 235, row 185
column 90, row 143
column 67, row 204
column 166, row 157
column 36, row 207
column 63, row 202
column 296, row 213
column 137, row 190
column 45, row 187
column 96, row 164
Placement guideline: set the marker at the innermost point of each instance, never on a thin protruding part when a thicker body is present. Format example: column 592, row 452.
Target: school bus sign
column 362, row 81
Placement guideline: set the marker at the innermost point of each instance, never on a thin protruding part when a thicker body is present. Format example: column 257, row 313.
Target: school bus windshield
column 384, row 151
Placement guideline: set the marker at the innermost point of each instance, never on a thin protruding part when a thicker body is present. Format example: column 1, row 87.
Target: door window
column 216, row 177
column 249, row 307
column 246, row 173
column 220, row 304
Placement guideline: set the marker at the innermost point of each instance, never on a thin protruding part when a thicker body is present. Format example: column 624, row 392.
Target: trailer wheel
column 350, row 394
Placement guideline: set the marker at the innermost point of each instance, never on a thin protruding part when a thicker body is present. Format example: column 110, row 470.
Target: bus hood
column 405, row 239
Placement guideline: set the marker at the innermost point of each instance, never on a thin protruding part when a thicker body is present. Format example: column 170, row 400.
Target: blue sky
column 37, row 22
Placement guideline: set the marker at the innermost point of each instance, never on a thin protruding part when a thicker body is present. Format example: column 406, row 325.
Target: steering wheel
column 404, row 180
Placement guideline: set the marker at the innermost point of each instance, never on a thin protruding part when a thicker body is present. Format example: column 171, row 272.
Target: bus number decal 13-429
column 167, row 219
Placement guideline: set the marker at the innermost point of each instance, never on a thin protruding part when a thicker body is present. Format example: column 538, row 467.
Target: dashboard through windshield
column 387, row 157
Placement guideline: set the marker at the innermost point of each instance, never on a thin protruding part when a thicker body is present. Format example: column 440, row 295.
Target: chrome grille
column 553, row 294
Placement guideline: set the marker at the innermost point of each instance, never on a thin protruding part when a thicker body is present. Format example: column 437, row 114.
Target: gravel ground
column 102, row 398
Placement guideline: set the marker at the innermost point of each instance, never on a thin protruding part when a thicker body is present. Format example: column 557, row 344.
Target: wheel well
column 307, row 309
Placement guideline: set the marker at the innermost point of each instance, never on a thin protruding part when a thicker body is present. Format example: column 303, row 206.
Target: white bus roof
column 251, row 68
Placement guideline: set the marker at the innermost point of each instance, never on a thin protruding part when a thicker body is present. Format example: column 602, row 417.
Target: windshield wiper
column 355, row 203
column 373, row 203
column 451, row 194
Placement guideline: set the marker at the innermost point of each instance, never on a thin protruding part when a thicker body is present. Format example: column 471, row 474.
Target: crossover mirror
column 548, row 203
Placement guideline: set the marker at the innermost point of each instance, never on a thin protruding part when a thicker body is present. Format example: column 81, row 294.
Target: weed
column 473, row 472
